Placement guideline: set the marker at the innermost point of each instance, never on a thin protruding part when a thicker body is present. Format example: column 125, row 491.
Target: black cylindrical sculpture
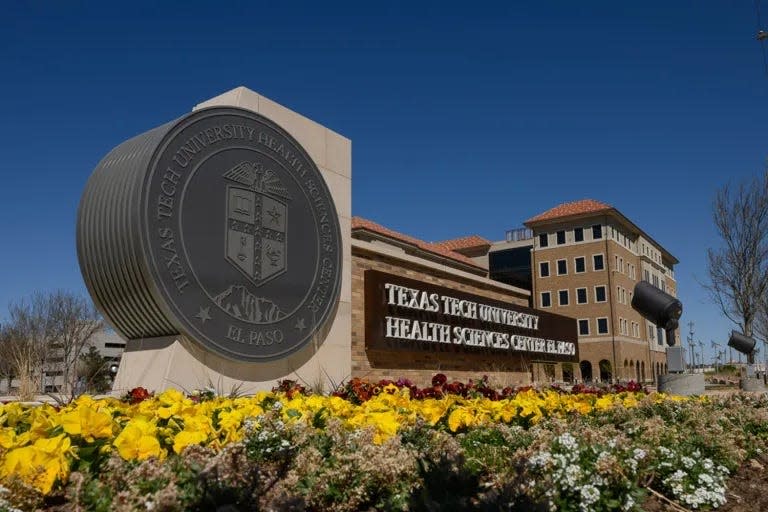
column 218, row 226
column 657, row 306
column 742, row 343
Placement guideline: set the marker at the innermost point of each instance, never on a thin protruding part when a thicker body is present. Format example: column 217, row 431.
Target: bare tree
column 46, row 334
column 6, row 368
column 738, row 270
column 74, row 320
column 26, row 338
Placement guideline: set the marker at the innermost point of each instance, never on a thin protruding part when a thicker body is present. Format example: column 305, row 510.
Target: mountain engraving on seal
column 240, row 303
column 257, row 222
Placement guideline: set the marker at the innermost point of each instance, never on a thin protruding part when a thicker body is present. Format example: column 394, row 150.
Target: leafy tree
column 93, row 372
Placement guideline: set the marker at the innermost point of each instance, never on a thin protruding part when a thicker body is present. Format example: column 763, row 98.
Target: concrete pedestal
column 176, row 362
column 753, row 385
column 685, row 384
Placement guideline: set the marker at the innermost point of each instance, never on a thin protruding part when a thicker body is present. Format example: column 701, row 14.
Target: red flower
column 439, row 379
column 137, row 395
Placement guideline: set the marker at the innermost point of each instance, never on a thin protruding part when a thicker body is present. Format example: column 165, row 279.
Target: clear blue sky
column 464, row 119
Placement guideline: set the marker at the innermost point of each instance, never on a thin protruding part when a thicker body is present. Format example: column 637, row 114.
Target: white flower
column 639, row 454
column 540, row 459
column 568, row 441
column 589, row 495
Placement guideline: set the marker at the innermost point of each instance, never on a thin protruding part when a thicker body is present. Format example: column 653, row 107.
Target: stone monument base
column 753, row 385
column 158, row 364
column 685, row 384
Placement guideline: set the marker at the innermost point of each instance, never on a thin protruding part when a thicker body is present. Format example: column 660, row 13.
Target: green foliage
column 93, row 371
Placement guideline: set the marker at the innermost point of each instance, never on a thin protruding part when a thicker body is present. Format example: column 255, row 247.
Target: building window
column 578, row 235
column 597, row 262
column 646, row 276
column 602, row 326
column 546, row 299
column 581, row 295
column 562, row 267
column 621, row 265
column 651, row 332
column 543, row 240
column 544, row 269
column 584, row 327
column 600, row 293
column 597, row 232
column 660, row 336
column 580, row 264
column 560, row 237
column 562, row 296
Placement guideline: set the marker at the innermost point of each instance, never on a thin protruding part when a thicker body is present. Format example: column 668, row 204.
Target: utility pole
column 701, row 346
column 690, row 344
column 715, row 346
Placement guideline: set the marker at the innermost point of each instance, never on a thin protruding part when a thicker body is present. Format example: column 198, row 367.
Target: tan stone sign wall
column 420, row 365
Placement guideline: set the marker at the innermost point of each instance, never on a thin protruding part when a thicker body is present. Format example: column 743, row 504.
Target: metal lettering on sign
column 403, row 314
column 218, row 226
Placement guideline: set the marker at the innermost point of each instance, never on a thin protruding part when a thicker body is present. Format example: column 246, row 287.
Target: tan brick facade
column 629, row 344
column 420, row 366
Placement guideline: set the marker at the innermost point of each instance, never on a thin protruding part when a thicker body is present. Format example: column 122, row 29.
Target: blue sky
column 464, row 117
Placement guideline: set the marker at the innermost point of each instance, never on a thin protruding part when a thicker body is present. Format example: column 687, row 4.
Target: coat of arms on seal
column 257, row 225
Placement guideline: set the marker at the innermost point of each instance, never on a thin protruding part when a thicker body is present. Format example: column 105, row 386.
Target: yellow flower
column 138, row 441
column 460, row 417
column 88, row 423
column 432, row 410
column 186, row 438
column 604, row 402
column 39, row 464
column 7, row 438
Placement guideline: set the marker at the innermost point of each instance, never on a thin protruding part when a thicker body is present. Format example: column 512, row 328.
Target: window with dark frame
column 597, row 262
column 563, row 297
column 544, row 269
column 584, row 327
column 580, row 264
column 597, row 232
column 581, row 295
column 562, row 267
column 546, row 299
column 599, row 293
column 560, row 237
column 543, row 240
column 602, row 326
column 578, row 235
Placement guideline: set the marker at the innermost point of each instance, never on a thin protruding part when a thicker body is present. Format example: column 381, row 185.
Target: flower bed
column 386, row 445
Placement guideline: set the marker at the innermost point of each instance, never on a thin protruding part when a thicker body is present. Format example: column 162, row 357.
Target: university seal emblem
column 237, row 243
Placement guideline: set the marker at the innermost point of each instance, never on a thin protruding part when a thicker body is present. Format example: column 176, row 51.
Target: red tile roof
column 368, row 225
column 569, row 209
column 465, row 242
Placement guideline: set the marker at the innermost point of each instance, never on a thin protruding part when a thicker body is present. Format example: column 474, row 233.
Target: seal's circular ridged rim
column 115, row 254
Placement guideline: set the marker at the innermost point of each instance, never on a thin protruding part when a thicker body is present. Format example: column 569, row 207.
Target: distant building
column 582, row 260
column 106, row 341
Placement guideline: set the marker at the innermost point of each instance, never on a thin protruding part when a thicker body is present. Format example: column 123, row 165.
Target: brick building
column 379, row 251
column 585, row 258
